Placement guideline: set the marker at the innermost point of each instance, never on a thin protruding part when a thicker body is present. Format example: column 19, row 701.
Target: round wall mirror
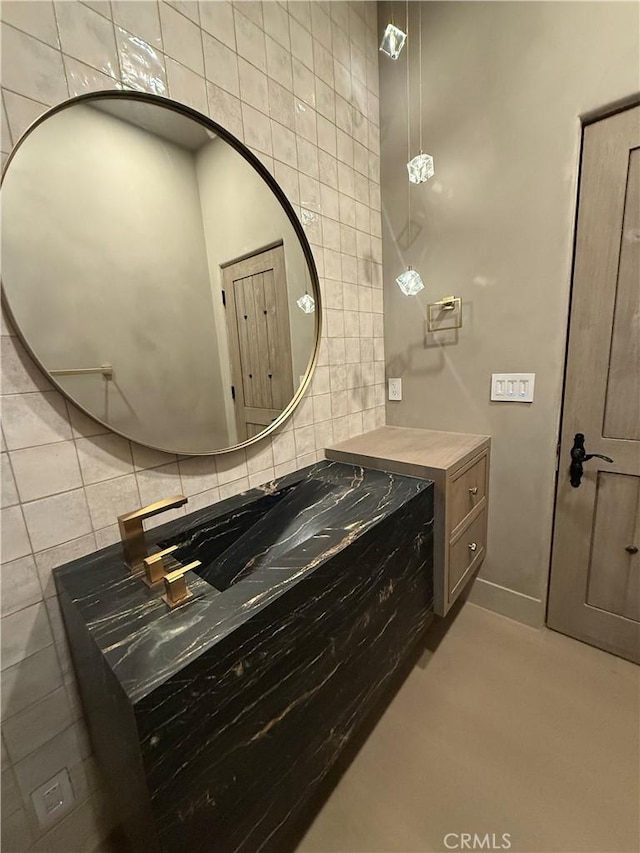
column 157, row 274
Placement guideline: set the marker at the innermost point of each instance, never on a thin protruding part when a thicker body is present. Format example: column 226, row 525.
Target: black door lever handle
column 580, row 455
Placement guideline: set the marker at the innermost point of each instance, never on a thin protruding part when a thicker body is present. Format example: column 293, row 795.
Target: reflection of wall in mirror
column 241, row 216
column 127, row 202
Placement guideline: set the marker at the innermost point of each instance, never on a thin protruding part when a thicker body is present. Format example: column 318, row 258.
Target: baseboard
column 508, row 602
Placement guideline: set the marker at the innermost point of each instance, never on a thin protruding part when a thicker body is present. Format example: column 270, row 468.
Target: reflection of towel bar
column 106, row 370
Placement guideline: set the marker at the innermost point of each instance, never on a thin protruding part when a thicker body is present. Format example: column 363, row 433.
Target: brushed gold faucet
column 132, row 531
column 155, row 567
column 175, row 586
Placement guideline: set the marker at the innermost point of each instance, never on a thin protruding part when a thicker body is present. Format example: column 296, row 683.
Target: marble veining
column 229, row 711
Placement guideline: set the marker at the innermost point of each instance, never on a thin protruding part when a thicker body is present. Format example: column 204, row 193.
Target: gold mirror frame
column 267, row 177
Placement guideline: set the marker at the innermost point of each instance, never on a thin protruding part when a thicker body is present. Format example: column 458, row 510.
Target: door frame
column 586, row 119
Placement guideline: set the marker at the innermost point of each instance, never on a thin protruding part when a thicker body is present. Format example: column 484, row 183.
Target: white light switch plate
column 395, row 389
column 513, row 387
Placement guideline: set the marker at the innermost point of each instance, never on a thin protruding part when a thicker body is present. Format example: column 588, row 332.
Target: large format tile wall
column 298, row 82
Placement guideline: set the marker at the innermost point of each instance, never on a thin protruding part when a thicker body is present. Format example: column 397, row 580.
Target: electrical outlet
column 54, row 799
column 395, row 389
column 513, row 387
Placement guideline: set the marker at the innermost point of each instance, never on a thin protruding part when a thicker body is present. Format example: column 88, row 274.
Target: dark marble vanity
column 216, row 723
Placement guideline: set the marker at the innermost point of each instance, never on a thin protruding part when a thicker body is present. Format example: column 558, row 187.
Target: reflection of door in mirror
column 257, row 317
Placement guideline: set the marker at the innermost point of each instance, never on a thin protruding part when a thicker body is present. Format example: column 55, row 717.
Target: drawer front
column 466, row 553
column 466, row 492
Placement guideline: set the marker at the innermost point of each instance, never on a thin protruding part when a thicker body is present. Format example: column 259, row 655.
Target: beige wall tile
column 112, row 498
column 189, row 8
column 49, row 559
column 142, row 66
column 20, row 585
column 104, row 457
column 155, row 484
column 57, row 519
column 217, row 20
column 15, row 541
column 46, row 470
column 30, row 680
column 16, row 833
column 83, row 78
column 19, row 372
column 8, row 489
column 249, row 39
column 31, row 419
column 24, row 633
column 11, row 798
column 225, row 109
column 31, row 68
column 253, row 86
column 140, row 17
column 35, row 18
column 198, row 474
column 221, row 64
column 33, row 727
column 231, row 466
column 233, row 487
column 181, row 38
column 21, row 112
column 276, row 24
column 87, row 36
column 186, row 86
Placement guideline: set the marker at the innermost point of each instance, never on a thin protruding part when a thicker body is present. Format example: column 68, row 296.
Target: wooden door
column 257, row 313
column 595, row 572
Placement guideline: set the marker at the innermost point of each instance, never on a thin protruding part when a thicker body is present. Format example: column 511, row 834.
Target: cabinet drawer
column 466, row 553
column 466, row 492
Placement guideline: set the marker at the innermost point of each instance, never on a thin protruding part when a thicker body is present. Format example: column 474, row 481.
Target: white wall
column 133, row 292
column 504, row 86
column 252, row 67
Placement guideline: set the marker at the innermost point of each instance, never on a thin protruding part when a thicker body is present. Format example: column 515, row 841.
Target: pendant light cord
column 420, row 67
column 408, row 125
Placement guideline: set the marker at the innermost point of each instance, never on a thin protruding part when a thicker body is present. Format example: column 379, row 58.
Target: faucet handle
column 132, row 531
column 175, row 586
column 154, row 566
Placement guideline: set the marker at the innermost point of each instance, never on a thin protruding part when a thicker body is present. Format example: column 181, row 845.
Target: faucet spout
column 132, row 532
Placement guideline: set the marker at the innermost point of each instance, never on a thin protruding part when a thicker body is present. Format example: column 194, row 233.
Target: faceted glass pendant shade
column 410, row 282
column 420, row 168
column 307, row 304
column 392, row 41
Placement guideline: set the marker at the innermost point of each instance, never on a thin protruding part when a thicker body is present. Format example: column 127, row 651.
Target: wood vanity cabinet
column 458, row 464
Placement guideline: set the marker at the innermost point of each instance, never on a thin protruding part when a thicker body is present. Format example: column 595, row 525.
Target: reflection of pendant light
column 306, row 303
column 392, row 41
column 420, row 167
column 410, row 282
column 393, row 38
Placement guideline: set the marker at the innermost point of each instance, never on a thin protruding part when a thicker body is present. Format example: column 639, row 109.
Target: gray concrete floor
column 500, row 728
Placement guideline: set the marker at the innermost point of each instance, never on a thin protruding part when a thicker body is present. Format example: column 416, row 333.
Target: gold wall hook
column 175, row 585
column 155, row 568
column 132, row 531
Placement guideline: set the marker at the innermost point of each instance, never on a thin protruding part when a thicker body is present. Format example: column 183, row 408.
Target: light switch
column 395, row 389
column 513, row 387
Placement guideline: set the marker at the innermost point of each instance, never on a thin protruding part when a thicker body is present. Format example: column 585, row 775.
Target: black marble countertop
column 253, row 547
